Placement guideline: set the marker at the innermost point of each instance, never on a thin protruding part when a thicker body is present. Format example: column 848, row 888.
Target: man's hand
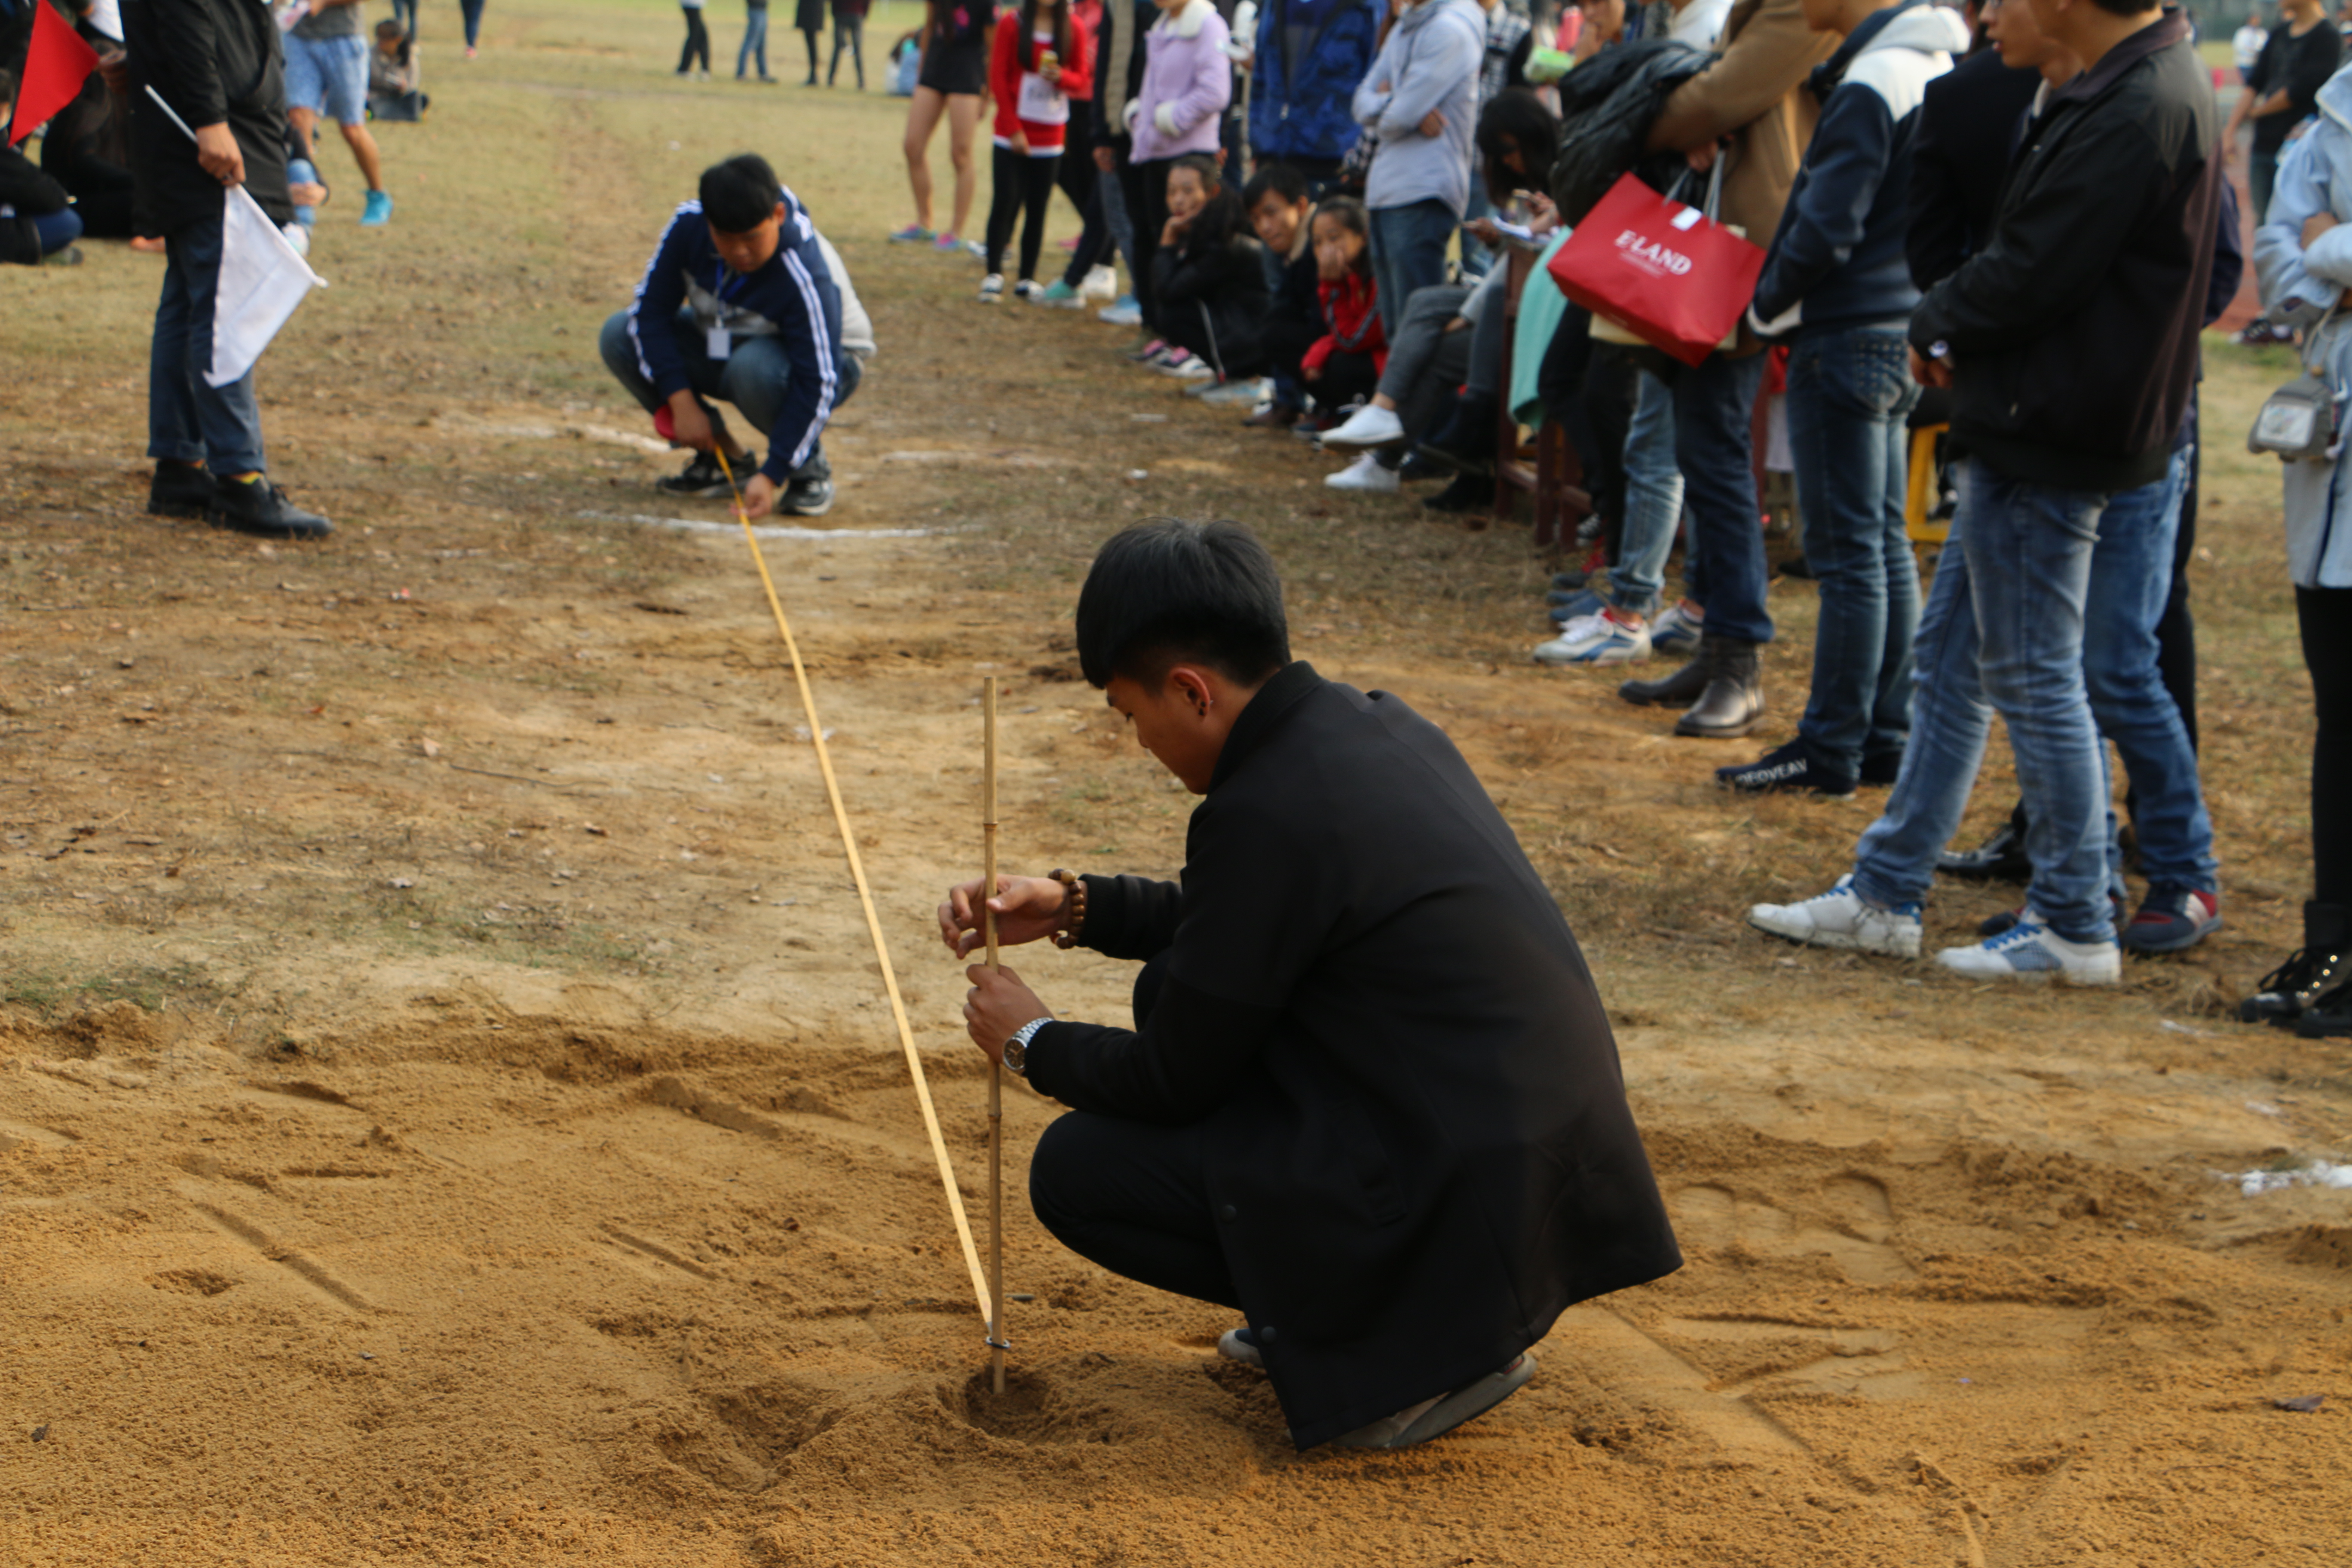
column 1027, row 907
column 689, row 426
column 996, row 1007
column 759, row 496
column 1107, row 160
column 217, row 151
column 1930, row 372
column 2314, row 226
column 1432, row 123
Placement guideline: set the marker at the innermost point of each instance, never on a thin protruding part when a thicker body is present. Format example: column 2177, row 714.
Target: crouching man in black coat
column 1371, row 1099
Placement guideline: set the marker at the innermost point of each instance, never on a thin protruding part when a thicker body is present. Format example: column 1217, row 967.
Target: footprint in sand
column 1860, row 1223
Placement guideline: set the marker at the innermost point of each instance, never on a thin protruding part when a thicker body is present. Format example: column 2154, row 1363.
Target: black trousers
column 2325, row 615
column 1147, row 210
column 1022, row 185
column 698, row 41
column 1131, row 1197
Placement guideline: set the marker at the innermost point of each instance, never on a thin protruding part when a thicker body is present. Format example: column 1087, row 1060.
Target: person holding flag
column 218, row 67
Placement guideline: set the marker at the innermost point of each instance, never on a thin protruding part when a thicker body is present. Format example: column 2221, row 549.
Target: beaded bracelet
column 1073, row 902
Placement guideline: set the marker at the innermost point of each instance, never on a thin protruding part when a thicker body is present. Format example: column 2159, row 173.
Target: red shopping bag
column 1667, row 273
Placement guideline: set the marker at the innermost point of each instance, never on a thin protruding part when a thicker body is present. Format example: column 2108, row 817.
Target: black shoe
column 1882, row 769
column 1680, row 690
column 1416, row 467
column 1733, row 701
column 1465, row 440
column 1569, row 582
column 1792, row 768
column 180, row 490
column 1999, row 858
column 2326, row 935
column 2330, row 1019
column 261, row 508
column 805, row 495
column 703, row 480
column 1467, row 493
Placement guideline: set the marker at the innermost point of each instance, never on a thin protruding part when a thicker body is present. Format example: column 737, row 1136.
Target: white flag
column 262, row 279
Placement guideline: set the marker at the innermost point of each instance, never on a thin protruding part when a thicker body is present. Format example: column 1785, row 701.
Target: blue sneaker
column 379, row 210
column 2170, row 919
column 1677, row 630
column 1597, row 639
column 1121, row 312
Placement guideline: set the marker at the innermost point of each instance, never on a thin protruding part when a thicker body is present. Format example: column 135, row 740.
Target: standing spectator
column 755, row 42
column 2099, row 261
column 954, row 45
column 1042, row 57
column 2304, row 252
column 1119, row 56
column 472, row 12
column 327, row 73
column 1837, row 275
column 1751, row 109
column 217, row 64
column 849, row 30
column 695, row 55
column 1187, row 82
column 2283, row 90
column 1308, row 59
column 808, row 16
column 1421, row 97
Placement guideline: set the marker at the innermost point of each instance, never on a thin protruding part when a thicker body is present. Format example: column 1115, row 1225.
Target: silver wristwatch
column 1016, row 1049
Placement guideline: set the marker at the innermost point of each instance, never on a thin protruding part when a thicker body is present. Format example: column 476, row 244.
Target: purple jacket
column 1186, row 72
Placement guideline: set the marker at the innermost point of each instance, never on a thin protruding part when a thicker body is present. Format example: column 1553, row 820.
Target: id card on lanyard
column 718, row 341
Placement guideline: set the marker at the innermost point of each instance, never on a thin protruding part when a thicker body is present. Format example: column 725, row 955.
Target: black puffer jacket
column 213, row 61
column 1212, row 299
column 1606, row 106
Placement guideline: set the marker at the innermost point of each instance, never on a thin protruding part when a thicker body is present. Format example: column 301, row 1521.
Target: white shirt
column 1700, row 23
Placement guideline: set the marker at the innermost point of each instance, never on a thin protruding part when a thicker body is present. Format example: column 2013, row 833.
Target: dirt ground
column 448, row 1111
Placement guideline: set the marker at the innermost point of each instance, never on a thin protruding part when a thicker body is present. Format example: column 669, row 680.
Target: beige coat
column 1755, row 95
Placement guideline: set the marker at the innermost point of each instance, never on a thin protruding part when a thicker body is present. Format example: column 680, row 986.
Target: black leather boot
column 1681, row 689
column 180, row 490
column 1733, row 703
column 1999, row 858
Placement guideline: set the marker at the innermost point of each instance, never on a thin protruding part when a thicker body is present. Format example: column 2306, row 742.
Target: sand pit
column 448, row 1112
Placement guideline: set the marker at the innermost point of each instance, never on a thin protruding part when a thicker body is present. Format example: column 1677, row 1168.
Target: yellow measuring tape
column 865, row 898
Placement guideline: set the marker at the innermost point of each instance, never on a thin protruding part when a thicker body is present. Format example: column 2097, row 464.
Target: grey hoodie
column 1430, row 62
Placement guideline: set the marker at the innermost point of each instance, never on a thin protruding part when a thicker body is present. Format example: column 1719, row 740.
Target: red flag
column 55, row 67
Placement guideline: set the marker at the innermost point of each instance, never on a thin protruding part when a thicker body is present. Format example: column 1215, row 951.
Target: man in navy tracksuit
column 739, row 304
column 1837, row 286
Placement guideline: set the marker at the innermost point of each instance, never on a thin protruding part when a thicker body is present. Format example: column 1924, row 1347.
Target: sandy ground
column 448, row 1113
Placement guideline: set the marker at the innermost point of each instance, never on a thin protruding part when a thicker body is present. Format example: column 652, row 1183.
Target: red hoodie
column 1021, row 92
column 1351, row 306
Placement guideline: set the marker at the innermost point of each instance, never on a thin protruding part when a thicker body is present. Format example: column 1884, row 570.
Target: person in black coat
column 1371, row 1099
column 1208, row 274
column 217, row 64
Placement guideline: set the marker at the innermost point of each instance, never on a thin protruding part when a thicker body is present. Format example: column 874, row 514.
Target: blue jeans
column 56, row 229
column 1653, row 501
column 756, row 377
column 2131, row 578
column 1477, row 259
column 404, row 13
column 755, row 41
column 1407, row 253
column 1849, row 393
column 473, row 13
column 2003, row 631
column 302, row 171
column 1714, row 446
column 187, row 421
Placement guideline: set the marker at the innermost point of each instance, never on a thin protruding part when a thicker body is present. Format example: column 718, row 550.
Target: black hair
column 1060, row 10
column 1349, row 212
column 1284, row 180
column 7, row 85
column 1519, row 116
column 388, row 28
column 1167, row 590
column 740, row 193
column 2142, row 7
column 1222, row 216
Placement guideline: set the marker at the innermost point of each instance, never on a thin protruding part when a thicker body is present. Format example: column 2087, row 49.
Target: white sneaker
column 1364, row 473
column 1609, row 641
column 1676, row 629
column 1027, row 289
column 1190, row 368
column 1573, row 635
column 1252, row 392
column 1102, row 284
column 1368, row 426
column 2032, row 951
column 1843, row 918
column 992, row 288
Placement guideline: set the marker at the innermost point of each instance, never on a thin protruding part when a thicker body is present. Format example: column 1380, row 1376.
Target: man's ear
column 1190, row 688
column 779, row 209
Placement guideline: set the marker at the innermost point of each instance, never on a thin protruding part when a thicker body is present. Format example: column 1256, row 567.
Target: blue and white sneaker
column 1596, row 640
column 1677, row 630
column 2032, row 951
column 1122, row 311
column 2171, row 918
column 1843, row 918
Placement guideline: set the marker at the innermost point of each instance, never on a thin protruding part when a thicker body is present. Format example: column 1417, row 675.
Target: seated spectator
column 906, row 63
column 740, row 304
column 1186, row 83
column 38, row 222
column 393, row 77
column 1209, row 274
column 1280, row 211
column 1344, row 365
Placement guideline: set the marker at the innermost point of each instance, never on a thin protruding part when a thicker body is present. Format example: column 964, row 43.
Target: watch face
column 1016, row 1055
